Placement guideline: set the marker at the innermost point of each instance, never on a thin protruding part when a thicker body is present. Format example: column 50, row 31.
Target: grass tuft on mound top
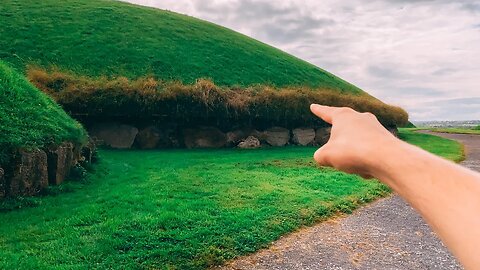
column 29, row 118
column 95, row 38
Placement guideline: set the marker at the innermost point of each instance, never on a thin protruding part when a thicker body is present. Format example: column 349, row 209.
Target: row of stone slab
column 122, row 136
column 32, row 170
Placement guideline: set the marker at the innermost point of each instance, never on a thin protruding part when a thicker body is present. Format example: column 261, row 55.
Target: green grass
column 182, row 209
column 92, row 37
column 29, row 118
column 446, row 148
column 475, row 130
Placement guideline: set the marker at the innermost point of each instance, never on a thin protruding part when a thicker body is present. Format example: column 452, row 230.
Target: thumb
column 321, row 156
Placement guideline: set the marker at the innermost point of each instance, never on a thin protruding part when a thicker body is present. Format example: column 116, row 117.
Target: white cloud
column 405, row 52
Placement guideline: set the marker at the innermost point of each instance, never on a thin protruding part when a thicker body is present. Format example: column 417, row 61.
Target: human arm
column 446, row 194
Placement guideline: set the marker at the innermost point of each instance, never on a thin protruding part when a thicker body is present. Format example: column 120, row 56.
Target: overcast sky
column 423, row 55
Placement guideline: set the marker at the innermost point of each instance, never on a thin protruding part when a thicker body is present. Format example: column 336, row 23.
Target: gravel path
column 387, row 234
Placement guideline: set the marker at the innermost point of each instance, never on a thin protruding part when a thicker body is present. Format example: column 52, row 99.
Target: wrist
column 388, row 159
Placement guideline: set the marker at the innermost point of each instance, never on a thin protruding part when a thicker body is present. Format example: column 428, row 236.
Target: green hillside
column 99, row 37
column 29, row 118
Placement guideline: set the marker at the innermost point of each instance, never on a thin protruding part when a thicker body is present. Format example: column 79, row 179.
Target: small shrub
column 477, row 127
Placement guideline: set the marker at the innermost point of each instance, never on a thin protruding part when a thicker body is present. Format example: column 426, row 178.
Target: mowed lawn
column 181, row 209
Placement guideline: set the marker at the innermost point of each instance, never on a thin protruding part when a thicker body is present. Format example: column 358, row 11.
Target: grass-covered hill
column 99, row 37
column 29, row 118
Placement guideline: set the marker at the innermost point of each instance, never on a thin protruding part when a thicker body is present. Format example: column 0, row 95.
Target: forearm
column 444, row 193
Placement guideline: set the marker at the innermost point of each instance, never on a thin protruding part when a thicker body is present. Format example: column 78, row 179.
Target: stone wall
column 32, row 170
column 123, row 136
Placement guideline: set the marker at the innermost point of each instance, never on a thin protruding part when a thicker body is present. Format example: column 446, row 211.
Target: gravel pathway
column 387, row 234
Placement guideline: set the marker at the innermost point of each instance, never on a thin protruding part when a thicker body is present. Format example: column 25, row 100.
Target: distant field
column 99, row 37
column 182, row 209
column 456, row 130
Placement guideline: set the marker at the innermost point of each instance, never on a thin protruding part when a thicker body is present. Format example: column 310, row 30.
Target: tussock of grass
column 202, row 102
column 29, row 118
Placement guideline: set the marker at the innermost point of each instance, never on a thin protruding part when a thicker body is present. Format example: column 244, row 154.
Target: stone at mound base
column 60, row 161
column 238, row 135
column 30, row 173
column 303, row 136
column 322, row 135
column 249, row 143
column 277, row 136
column 114, row 135
column 204, row 137
column 156, row 137
column 148, row 138
column 2, row 183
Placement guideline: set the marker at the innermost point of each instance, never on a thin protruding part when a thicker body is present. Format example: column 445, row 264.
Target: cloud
column 411, row 53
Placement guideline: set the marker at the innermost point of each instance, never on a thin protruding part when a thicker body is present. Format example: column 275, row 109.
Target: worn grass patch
column 182, row 209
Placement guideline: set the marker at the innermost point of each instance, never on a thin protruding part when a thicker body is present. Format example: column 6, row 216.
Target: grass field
column 440, row 146
column 92, row 37
column 182, row 209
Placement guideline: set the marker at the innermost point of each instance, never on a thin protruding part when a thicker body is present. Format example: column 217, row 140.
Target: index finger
column 324, row 112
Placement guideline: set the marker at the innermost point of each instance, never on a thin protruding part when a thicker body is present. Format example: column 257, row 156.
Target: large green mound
column 29, row 118
column 93, row 38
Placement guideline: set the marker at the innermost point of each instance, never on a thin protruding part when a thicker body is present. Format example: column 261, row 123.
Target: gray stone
column 239, row 135
column 2, row 183
column 30, row 174
column 303, row 136
column 88, row 151
column 277, row 136
column 60, row 160
column 249, row 143
column 148, row 138
column 114, row 135
column 156, row 137
column 322, row 135
column 204, row 137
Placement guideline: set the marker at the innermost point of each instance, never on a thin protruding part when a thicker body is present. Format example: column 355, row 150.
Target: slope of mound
column 93, row 38
column 29, row 118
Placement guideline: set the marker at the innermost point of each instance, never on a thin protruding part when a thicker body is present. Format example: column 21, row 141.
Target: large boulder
column 114, row 135
column 303, row 136
column 30, row 174
column 204, row 137
column 277, row 136
column 60, row 161
column 2, row 183
column 249, row 143
column 238, row 135
column 154, row 137
column 148, row 138
column 322, row 135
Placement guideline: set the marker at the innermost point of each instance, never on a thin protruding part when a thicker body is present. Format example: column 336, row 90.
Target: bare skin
column 446, row 194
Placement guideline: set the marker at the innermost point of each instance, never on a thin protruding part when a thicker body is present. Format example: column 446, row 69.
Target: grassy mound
column 200, row 103
column 29, row 118
column 91, row 37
